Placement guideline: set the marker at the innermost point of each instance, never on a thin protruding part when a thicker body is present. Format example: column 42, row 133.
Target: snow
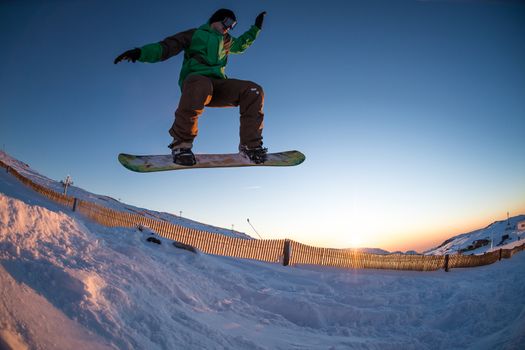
column 503, row 235
column 68, row 283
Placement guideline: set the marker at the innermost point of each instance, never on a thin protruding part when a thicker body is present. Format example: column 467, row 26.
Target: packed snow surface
column 67, row 283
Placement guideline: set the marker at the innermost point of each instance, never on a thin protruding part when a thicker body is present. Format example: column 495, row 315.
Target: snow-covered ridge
column 500, row 234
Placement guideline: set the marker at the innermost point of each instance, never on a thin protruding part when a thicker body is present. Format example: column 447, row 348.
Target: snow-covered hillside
column 500, row 234
column 67, row 283
column 112, row 203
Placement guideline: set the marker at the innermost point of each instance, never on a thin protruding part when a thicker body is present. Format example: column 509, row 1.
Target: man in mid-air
column 204, row 83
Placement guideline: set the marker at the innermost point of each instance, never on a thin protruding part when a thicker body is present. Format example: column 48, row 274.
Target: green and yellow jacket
column 205, row 50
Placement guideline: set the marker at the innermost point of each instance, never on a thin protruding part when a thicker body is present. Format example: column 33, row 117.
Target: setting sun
column 356, row 241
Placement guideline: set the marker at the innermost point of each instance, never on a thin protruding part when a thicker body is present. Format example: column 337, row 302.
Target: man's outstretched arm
column 160, row 51
column 243, row 42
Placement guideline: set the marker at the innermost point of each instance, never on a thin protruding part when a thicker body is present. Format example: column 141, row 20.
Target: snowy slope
column 500, row 234
column 67, row 283
column 112, row 203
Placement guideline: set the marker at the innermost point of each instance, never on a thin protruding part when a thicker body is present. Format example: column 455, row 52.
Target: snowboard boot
column 256, row 155
column 182, row 155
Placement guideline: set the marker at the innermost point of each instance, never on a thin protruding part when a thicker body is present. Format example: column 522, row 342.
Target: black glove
column 259, row 20
column 130, row 55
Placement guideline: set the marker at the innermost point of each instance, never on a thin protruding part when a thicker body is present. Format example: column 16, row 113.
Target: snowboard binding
column 183, row 156
column 257, row 155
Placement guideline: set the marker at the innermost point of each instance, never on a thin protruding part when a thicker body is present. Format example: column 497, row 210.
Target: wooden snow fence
column 46, row 192
column 508, row 253
column 459, row 260
column 286, row 251
column 350, row 258
column 207, row 242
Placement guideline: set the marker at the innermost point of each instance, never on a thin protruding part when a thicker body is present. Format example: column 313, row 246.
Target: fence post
column 75, row 204
column 446, row 262
column 286, row 252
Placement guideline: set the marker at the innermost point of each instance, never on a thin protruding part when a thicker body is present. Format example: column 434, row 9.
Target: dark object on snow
column 476, row 244
column 154, row 240
column 503, row 239
column 185, row 247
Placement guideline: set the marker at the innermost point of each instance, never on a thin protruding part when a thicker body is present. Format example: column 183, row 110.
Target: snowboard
column 152, row 163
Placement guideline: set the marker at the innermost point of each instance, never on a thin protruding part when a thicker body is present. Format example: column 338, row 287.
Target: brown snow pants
column 199, row 91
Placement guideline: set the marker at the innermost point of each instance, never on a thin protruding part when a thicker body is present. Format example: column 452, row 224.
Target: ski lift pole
column 66, row 183
column 254, row 228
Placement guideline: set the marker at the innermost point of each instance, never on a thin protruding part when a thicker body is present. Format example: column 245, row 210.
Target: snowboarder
column 204, row 83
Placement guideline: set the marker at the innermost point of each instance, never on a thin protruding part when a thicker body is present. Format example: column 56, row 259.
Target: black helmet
column 221, row 15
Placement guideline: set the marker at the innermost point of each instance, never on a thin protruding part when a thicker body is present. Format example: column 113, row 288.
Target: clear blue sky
column 411, row 113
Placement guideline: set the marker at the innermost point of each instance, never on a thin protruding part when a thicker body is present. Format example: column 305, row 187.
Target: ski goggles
column 228, row 23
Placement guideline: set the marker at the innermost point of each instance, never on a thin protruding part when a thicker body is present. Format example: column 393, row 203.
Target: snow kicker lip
column 153, row 163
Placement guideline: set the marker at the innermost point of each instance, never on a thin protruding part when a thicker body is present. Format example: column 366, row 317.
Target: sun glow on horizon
column 396, row 229
column 355, row 241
